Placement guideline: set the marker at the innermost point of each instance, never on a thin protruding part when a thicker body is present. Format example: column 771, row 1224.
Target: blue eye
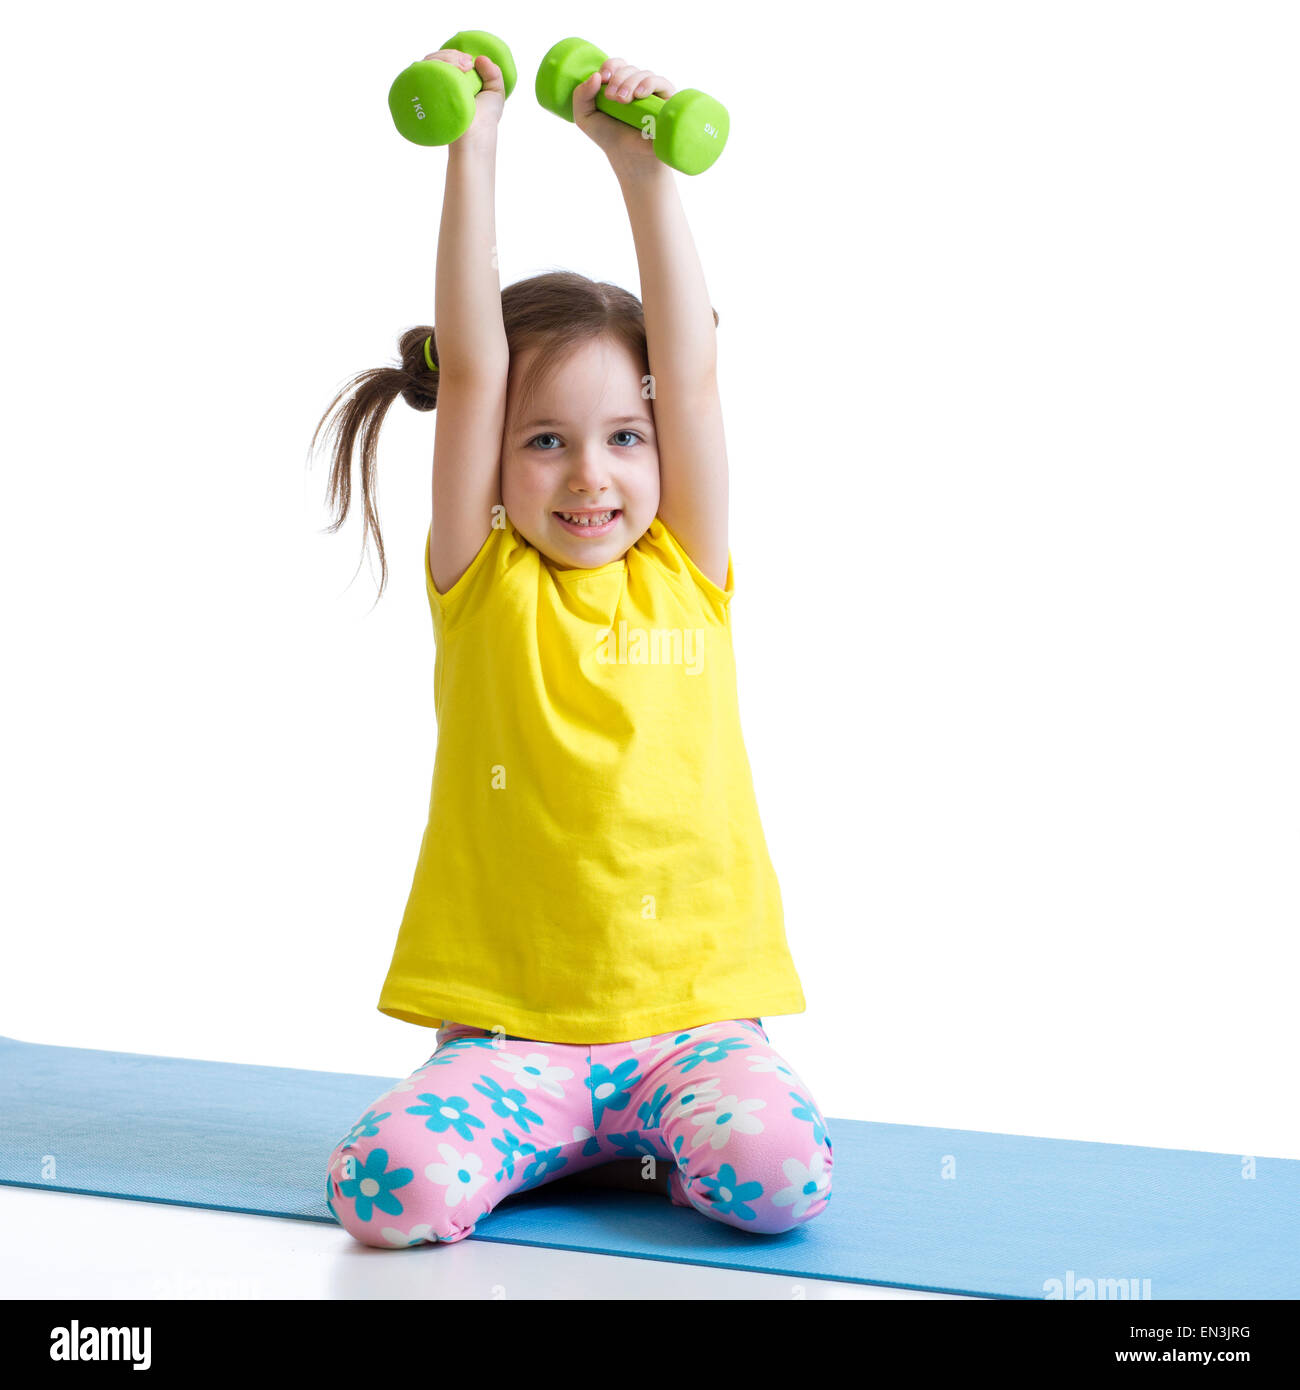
column 635, row 438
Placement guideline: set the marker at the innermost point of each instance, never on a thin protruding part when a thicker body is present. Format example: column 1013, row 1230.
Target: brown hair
column 553, row 312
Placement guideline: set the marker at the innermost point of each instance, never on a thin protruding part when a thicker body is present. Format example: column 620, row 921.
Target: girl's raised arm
column 471, row 350
column 681, row 339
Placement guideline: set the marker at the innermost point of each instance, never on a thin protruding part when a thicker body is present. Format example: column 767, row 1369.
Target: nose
column 590, row 471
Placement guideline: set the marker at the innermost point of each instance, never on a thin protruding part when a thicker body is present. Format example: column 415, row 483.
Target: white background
column 1008, row 299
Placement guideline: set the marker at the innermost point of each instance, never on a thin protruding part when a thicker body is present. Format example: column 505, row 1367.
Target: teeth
column 598, row 520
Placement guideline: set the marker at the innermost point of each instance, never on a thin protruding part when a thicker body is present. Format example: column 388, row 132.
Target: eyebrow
column 618, row 420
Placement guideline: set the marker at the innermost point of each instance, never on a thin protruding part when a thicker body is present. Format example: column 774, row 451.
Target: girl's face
column 580, row 471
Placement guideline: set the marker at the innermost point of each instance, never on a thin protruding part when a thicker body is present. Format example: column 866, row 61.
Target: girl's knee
column 391, row 1197
column 756, row 1187
column 804, row 1190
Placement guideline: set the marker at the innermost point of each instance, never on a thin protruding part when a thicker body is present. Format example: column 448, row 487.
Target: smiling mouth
column 589, row 518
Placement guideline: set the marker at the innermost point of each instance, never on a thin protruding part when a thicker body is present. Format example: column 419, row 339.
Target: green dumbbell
column 689, row 129
column 433, row 102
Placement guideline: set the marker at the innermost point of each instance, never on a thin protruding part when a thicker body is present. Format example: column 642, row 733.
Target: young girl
column 594, row 926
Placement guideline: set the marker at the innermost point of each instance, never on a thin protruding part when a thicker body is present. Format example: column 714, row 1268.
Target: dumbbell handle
column 630, row 112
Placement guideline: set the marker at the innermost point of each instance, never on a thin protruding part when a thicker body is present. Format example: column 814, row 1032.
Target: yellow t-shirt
column 593, row 868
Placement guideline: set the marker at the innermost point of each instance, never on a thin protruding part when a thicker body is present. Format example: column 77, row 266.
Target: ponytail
column 372, row 393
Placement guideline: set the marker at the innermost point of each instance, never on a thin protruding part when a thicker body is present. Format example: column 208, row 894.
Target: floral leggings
column 489, row 1115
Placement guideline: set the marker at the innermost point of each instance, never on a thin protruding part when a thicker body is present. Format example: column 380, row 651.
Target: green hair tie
column 433, row 366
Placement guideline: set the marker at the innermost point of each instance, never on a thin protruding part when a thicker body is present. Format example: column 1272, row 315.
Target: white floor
column 60, row 1245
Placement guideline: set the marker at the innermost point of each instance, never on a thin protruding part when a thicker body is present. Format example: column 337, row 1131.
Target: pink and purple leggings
column 487, row 1116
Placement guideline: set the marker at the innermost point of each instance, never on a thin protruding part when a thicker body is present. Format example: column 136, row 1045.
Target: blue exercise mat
column 1016, row 1214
